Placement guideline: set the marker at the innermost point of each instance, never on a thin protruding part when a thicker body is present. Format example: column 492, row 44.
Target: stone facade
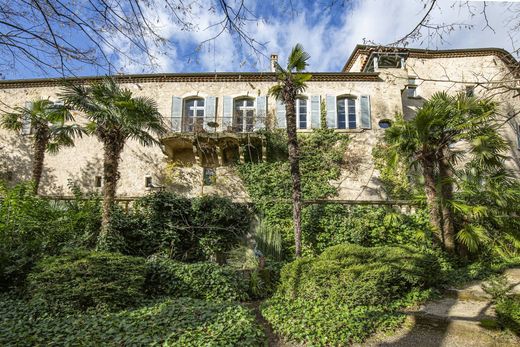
column 383, row 93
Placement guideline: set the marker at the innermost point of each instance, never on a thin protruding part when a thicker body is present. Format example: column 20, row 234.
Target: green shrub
column 182, row 229
column 83, row 280
column 179, row 322
column 32, row 227
column 198, row 280
column 508, row 313
column 356, row 275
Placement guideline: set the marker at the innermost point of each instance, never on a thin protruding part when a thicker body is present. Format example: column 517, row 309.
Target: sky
column 328, row 34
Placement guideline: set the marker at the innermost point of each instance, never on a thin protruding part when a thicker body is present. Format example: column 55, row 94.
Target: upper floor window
column 193, row 118
column 411, row 88
column 346, row 113
column 301, row 113
column 470, row 91
column 244, row 115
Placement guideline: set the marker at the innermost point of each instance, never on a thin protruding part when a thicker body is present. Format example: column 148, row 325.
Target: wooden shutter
column 227, row 114
column 366, row 118
column 261, row 112
column 281, row 121
column 176, row 117
column 210, row 104
column 315, row 112
column 26, row 121
column 331, row 112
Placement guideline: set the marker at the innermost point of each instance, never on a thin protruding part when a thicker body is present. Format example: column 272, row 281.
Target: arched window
column 244, row 115
column 346, row 113
column 301, row 113
column 193, row 117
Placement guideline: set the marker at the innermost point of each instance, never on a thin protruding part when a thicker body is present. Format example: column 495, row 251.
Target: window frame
column 299, row 100
column 244, row 108
column 349, row 101
column 195, row 119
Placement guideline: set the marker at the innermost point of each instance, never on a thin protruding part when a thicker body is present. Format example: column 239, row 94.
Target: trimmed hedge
column 199, row 280
column 179, row 322
column 84, row 280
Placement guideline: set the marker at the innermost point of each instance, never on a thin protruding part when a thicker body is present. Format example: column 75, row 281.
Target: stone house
column 214, row 116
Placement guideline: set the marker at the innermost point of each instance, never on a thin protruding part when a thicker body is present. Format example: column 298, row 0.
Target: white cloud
column 328, row 36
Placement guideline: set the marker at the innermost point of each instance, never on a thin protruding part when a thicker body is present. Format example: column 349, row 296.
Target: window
column 209, row 176
column 148, row 182
column 470, row 91
column 301, row 113
column 193, row 119
column 244, row 115
column 98, row 181
column 346, row 111
column 411, row 88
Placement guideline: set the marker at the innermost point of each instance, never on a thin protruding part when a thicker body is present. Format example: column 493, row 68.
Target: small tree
column 291, row 82
column 115, row 116
column 430, row 139
column 46, row 120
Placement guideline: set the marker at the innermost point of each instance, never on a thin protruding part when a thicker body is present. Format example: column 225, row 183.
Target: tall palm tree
column 431, row 139
column 291, row 82
column 47, row 124
column 115, row 116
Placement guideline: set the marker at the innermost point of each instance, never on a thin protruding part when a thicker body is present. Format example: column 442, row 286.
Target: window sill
column 349, row 130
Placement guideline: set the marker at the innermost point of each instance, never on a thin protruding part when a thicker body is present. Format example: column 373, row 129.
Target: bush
column 348, row 292
column 83, row 280
column 355, row 275
column 179, row 322
column 182, row 229
column 199, row 280
column 508, row 313
column 32, row 227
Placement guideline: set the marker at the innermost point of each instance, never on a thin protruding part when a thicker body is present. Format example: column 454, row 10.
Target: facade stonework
column 178, row 165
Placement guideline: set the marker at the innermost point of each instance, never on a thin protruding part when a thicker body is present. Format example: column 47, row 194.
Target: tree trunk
column 112, row 152
column 446, row 176
column 432, row 200
column 294, row 161
column 41, row 138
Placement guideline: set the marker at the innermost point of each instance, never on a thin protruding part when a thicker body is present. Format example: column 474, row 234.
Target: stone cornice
column 189, row 77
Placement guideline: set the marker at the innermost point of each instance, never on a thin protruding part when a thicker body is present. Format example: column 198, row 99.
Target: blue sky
column 328, row 34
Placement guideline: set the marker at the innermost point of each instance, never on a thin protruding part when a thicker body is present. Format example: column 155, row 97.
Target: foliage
column 328, row 225
column 348, row 292
column 82, row 280
column 326, row 323
column 269, row 183
column 508, row 313
column 171, row 322
column 180, row 228
column 32, row 227
column 199, row 280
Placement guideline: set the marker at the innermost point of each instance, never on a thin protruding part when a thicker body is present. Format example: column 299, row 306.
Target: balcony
column 210, row 144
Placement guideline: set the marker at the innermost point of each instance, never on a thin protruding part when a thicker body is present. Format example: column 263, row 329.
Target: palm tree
column 431, row 139
column 291, row 82
column 115, row 116
column 47, row 121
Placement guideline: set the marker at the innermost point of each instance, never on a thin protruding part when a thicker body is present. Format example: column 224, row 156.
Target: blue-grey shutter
column 176, row 120
column 26, row 121
column 331, row 112
column 227, row 114
column 261, row 112
column 315, row 112
column 210, row 104
column 366, row 119
column 281, row 121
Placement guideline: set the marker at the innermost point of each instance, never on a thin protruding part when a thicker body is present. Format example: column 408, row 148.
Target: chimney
column 274, row 59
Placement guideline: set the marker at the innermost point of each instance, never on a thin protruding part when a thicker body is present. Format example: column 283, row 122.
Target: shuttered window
column 193, row 116
column 244, row 115
column 301, row 113
column 346, row 113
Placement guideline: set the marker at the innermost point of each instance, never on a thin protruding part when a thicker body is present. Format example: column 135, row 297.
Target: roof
column 430, row 54
column 189, row 77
